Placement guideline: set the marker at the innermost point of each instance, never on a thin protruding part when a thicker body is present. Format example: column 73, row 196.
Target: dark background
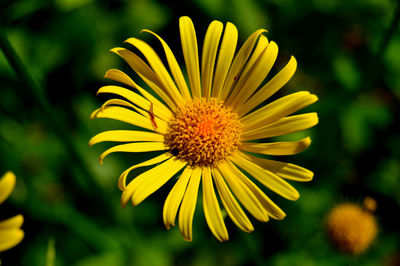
column 348, row 53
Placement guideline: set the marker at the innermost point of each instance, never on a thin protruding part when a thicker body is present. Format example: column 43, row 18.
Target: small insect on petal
column 152, row 117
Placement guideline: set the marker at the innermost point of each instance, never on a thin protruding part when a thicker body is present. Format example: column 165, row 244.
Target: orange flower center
column 206, row 127
column 203, row 133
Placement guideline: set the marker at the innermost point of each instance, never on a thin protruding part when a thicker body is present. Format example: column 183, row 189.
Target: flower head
column 10, row 231
column 351, row 228
column 208, row 129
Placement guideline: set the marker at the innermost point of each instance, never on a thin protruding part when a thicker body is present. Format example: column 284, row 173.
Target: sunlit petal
column 225, row 56
column 188, row 206
column 7, row 184
column 277, row 148
column 10, row 238
column 272, row 86
column 191, row 54
column 232, row 207
column 283, row 126
column 175, row 197
column 211, row 207
column 174, row 67
column 209, row 54
column 267, row 178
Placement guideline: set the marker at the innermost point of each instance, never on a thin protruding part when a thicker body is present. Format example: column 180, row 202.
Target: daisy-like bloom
column 10, row 229
column 208, row 129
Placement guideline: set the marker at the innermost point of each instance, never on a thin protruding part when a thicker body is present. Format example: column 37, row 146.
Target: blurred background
column 348, row 53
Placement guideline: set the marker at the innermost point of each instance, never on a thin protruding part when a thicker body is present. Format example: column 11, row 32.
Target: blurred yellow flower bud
column 351, row 228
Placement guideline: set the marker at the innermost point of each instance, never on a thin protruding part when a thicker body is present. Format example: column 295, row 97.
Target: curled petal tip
column 105, row 76
column 168, row 226
column 279, row 216
column 94, row 114
column 223, row 238
column 129, row 40
column 115, row 50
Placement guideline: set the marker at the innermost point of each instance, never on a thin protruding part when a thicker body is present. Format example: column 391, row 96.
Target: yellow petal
column 131, row 117
column 239, row 62
column 120, row 76
column 272, row 86
column 188, row 206
column 259, row 50
column 126, row 195
column 10, row 238
column 190, row 53
column 254, row 73
column 225, row 56
column 13, row 222
column 277, row 109
column 7, row 184
column 135, row 99
column 269, row 206
column 210, row 47
column 211, row 207
column 265, row 177
column 243, row 193
column 140, row 67
column 127, row 94
column 283, row 126
column 125, row 136
column 158, row 67
column 175, row 197
column 277, row 148
column 231, row 206
column 174, row 67
column 119, row 102
column 147, row 183
column 135, row 147
column 149, row 114
column 285, row 170
column 146, row 73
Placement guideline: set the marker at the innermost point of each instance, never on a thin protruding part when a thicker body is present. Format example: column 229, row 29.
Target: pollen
column 203, row 132
column 351, row 228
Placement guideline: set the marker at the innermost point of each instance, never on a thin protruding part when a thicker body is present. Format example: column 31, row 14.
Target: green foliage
column 71, row 205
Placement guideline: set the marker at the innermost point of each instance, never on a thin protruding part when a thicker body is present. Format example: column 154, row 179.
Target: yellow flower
column 351, row 228
column 208, row 129
column 10, row 231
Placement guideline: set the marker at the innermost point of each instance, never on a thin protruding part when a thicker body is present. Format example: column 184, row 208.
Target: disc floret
column 203, row 132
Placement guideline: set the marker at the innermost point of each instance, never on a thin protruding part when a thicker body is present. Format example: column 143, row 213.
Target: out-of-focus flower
column 210, row 129
column 351, row 228
column 10, row 229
